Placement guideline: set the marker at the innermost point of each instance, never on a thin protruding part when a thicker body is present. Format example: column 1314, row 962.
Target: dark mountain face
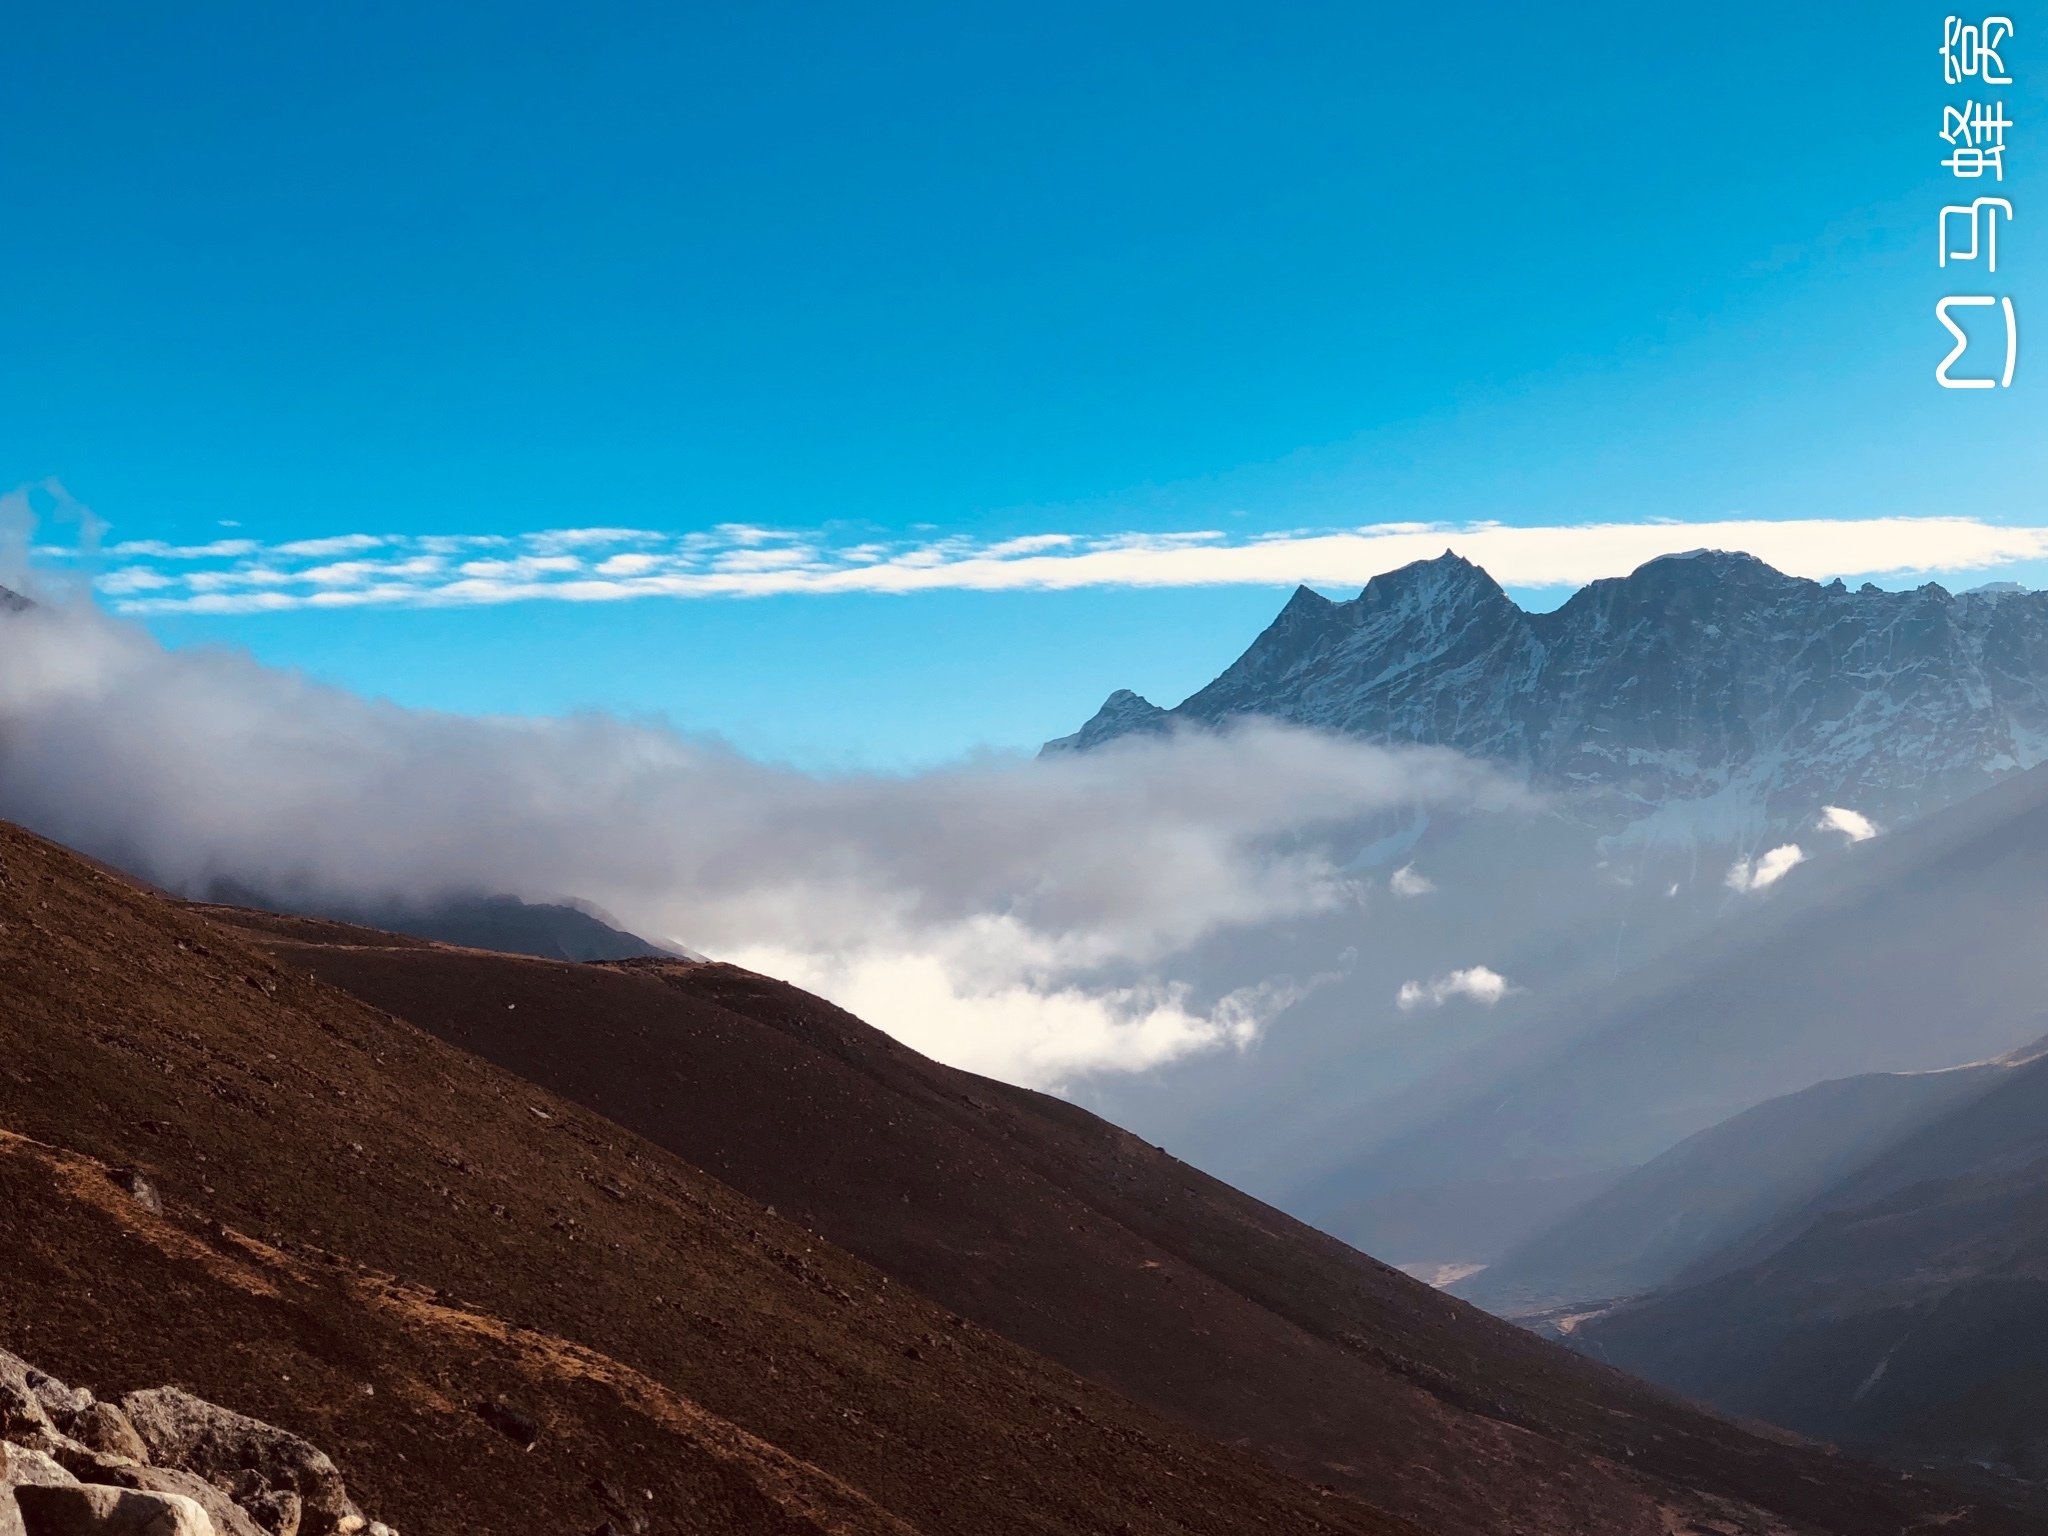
column 548, row 930
column 1842, row 1336
column 1904, row 1307
column 2001, row 1131
column 1706, row 680
column 1915, row 1321
column 1044, row 1224
column 1724, row 1187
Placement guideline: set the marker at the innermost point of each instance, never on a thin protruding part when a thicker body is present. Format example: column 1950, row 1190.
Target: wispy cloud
column 219, row 549
column 746, row 560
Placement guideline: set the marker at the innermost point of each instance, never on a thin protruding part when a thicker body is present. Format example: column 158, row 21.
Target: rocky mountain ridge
column 1719, row 1191
column 1901, row 1307
column 495, row 1311
column 1703, row 698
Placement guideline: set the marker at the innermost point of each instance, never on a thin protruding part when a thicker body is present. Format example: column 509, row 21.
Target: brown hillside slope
column 367, row 1233
column 1050, row 1226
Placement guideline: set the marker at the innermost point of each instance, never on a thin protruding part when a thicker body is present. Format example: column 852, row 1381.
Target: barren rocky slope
column 497, row 1311
column 1045, row 1224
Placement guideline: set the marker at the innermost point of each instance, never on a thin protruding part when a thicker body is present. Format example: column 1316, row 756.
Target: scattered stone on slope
column 138, row 1185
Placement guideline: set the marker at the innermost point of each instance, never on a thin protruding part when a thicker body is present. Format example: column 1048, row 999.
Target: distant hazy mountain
column 549, row 930
column 1926, row 944
column 1906, row 1305
column 1728, row 1185
column 1704, row 695
column 1680, row 723
column 1480, row 1220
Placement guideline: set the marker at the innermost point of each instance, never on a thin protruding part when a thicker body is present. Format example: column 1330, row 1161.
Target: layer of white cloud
column 1854, row 825
column 1766, row 871
column 1479, row 984
column 1021, row 917
column 742, row 560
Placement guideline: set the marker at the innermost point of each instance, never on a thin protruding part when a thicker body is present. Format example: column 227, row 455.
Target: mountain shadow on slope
column 1722, row 1188
column 1904, row 1307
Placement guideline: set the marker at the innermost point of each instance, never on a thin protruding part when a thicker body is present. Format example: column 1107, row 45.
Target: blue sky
column 826, row 289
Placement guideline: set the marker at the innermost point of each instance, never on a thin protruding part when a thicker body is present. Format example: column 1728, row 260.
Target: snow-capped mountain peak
column 1704, row 693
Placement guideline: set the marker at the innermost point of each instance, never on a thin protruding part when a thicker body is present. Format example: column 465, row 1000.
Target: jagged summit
column 1123, row 713
column 1450, row 577
column 1704, row 691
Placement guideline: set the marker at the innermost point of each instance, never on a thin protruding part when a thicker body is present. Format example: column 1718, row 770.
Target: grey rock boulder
column 37, row 1410
column 278, row 1511
column 59, row 1401
column 104, row 1429
column 26, row 1423
column 246, row 1455
column 94, row 1510
column 228, row 1518
column 24, row 1466
column 22, row 1414
column 21, row 1467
